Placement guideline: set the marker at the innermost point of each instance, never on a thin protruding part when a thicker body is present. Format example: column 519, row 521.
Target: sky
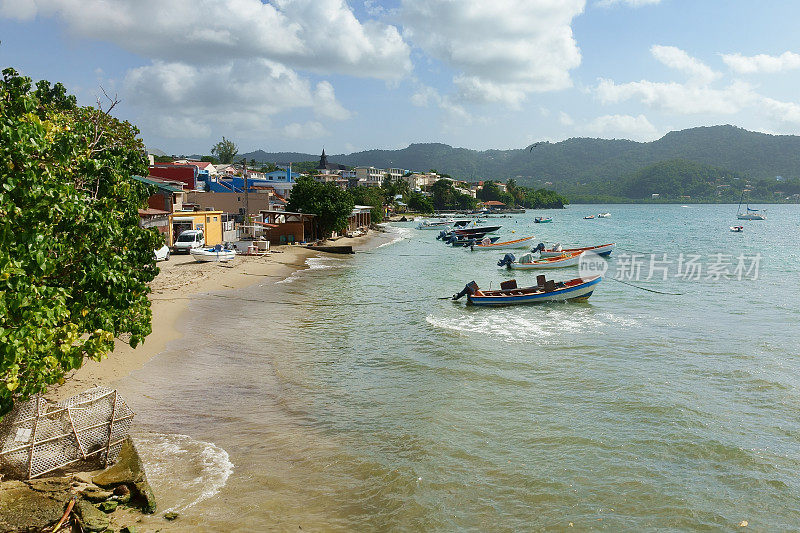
column 347, row 76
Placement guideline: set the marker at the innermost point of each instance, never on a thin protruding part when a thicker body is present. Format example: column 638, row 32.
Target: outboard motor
column 506, row 260
column 538, row 248
column 469, row 288
column 442, row 235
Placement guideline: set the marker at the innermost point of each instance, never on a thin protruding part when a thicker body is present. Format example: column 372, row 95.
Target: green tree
column 446, row 197
column 420, row 203
column 225, row 150
column 74, row 263
column 331, row 204
column 210, row 159
column 371, row 196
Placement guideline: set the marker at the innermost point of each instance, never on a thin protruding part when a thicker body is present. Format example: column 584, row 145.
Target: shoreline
column 181, row 280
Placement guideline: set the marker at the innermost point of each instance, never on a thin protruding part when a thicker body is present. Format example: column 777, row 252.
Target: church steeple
column 323, row 161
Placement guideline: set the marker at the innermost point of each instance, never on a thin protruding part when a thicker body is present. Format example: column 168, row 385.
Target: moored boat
column 750, row 213
column 555, row 251
column 603, row 215
column 542, row 220
column 469, row 241
column 590, row 217
column 737, row 229
column 544, row 291
column 462, row 232
column 215, row 254
column 527, row 262
column 505, row 245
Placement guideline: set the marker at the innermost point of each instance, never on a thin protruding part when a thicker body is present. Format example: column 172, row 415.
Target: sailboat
column 750, row 214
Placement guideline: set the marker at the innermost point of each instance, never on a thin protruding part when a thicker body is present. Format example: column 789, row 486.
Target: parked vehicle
column 191, row 238
column 162, row 254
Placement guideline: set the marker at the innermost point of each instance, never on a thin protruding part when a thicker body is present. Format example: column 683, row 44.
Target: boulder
column 128, row 470
column 109, row 506
column 24, row 509
column 92, row 519
column 96, row 494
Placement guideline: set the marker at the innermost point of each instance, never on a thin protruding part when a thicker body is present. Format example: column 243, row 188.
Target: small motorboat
column 469, row 241
column 603, row 215
column 527, row 262
column 542, row 220
column 737, row 229
column 217, row 253
column 557, row 250
column 544, row 291
column 590, row 217
column 463, row 232
column 505, row 245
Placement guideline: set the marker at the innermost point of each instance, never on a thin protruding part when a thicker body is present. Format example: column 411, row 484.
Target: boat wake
column 542, row 326
column 183, row 471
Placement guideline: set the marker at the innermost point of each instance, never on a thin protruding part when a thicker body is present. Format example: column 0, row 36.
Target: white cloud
column 186, row 100
column 565, row 119
column 622, row 126
column 762, row 62
column 501, row 50
column 309, row 130
column 781, row 112
column 631, row 3
column 319, row 35
column 685, row 99
column 678, row 59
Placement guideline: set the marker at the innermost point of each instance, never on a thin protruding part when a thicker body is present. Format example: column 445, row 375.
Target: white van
column 192, row 238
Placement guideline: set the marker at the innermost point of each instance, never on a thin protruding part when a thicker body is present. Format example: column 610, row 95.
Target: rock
column 92, row 519
column 24, row 509
column 128, row 529
column 108, row 506
column 170, row 516
column 83, row 477
column 128, row 470
column 96, row 494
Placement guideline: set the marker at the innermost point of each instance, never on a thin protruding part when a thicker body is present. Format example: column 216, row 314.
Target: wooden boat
column 603, row 249
column 544, row 291
column 333, row 249
column 737, row 229
column 542, row 220
column 506, row 245
column 526, row 262
column 590, row 217
column 215, row 254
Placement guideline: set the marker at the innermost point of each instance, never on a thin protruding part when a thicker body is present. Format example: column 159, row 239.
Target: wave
column 314, row 263
column 399, row 235
column 183, row 471
column 543, row 326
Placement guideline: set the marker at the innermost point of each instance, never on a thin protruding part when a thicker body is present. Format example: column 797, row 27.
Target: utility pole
column 246, row 192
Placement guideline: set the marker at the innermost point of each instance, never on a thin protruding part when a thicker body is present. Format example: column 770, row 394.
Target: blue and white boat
column 577, row 289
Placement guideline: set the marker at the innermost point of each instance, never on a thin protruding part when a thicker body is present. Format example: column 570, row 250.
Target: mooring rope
column 648, row 290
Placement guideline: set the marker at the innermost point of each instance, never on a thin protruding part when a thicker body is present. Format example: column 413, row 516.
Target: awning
column 183, row 219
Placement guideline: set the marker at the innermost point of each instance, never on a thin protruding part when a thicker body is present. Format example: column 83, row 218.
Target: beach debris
column 38, row 437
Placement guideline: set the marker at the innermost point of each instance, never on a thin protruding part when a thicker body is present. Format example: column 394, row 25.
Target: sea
column 356, row 396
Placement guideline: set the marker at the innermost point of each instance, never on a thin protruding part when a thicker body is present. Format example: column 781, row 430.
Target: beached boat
column 737, row 229
column 527, row 262
column 590, row 217
column 544, row 291
column 555, row 251
column 542, row 220
column 505, row 245
column 603, row 215
column 217, row 253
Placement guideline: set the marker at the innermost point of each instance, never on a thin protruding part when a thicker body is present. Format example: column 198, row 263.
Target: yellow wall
column 209, row 221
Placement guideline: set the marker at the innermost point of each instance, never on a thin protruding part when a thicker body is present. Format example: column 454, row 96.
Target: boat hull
column 577, row 292
column 540, row 264
column 508, row 245
column 604, row 249
column 751, row 216
column 210, row 256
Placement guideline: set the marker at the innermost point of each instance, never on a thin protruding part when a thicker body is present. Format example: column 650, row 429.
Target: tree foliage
column 371, row 196
column 331, row 204
column 446, row 197
column 225, row 150
column 74, row 263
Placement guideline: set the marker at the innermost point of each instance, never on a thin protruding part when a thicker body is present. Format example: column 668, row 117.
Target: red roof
column 493, row 202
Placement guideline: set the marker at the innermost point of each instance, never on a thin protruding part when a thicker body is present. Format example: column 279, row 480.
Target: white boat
column 750, row 214
column 603, row 215
column 527, row 262
column 737, row 229
column 217, row 253
column 487, row 244
column 556, row 251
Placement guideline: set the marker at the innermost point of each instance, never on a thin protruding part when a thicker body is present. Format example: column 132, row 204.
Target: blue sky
column 299, row 75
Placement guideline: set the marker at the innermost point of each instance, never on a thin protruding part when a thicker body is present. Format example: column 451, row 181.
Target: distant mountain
column 156, row 152
column 582, row 160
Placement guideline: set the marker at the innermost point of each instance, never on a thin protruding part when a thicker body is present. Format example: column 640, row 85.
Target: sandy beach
column 181, row 279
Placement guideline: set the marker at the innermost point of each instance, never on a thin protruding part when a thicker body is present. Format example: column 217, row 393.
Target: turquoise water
column 369, row 404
